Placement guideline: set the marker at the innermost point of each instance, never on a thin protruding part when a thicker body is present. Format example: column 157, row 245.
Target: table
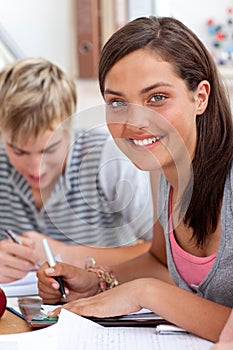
column 10, row 324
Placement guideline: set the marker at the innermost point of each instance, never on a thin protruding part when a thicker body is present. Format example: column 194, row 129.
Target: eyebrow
column 143, row 91
column 111, row 92
column 154, row 86
column 26, row 152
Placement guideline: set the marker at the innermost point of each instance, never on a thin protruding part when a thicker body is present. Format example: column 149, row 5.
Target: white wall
column 195, row 13
column 47, row 27
column 42, row 28
column 138, row 8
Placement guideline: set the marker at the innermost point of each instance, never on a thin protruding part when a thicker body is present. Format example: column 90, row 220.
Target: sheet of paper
column 75, row 332
column 25, row 286
column 13, row 302
column 46, row 338
column 81, row 333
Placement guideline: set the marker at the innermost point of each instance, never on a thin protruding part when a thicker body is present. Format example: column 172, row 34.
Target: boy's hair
column 35, row 96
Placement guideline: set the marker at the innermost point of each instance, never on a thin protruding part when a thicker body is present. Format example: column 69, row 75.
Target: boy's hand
column 16, row 260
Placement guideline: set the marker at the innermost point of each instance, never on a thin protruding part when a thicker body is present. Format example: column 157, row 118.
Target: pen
column 169, row 329
column 52, row 263
column 11, row 309
column 13, row 236
column 10, row 234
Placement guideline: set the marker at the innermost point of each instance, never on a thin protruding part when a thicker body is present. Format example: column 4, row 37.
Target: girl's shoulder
column 229, row 179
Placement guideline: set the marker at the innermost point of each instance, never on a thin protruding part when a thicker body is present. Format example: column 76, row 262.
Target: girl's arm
column 151, row 264
column 189, row 311
column 151, row 287
column 227, row 333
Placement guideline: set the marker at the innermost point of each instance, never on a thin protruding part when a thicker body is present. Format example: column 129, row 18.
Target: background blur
column 48, row 27
column 72, row 32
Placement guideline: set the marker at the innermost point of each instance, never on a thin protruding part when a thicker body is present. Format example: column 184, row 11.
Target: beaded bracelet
column 107, row 278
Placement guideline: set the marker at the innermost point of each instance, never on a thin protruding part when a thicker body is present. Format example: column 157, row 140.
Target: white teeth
column 146, row 142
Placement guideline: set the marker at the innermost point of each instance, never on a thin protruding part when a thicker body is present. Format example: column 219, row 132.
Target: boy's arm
column 76, row 254
column 103, row 255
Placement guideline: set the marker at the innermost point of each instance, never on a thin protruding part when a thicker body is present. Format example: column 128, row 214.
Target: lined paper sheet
column 85, row 334
column 75, row 332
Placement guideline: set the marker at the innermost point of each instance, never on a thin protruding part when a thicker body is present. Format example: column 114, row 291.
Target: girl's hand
column 78, row 283
column 120, row 300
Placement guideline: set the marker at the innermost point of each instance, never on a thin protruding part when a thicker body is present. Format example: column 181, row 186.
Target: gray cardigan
column 218, row 284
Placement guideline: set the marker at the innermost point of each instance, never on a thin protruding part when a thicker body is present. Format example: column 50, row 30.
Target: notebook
column 35, row 312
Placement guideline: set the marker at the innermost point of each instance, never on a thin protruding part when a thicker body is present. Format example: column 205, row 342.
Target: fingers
column 49, row 291
column 24, row 250
column 15, row 261
column 91, row 306
column 27, row 242
column 48, row 286
column 73, row 306
column 113, row 302
column 8, row 275
column 55, row 312
column 78, row 283
column 66, row 271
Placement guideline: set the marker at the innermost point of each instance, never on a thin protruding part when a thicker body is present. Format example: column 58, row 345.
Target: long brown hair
column 192, row 62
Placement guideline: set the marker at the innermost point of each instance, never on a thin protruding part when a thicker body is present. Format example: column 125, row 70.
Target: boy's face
column 42, row 160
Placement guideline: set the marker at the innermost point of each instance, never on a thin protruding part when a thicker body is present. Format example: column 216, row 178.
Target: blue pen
column 11, row 309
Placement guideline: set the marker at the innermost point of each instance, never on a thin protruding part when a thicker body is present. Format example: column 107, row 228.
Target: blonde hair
column 35, row 96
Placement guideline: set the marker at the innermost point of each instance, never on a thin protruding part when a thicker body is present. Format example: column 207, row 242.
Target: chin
column 145, row 164
column 2, row 302
column 139, row 166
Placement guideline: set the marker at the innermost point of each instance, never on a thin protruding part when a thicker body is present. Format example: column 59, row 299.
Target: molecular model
column 221, row 36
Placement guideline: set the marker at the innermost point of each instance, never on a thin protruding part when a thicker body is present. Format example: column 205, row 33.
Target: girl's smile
column 157, row 117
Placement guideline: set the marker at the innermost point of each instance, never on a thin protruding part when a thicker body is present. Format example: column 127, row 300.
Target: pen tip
column 64, row 296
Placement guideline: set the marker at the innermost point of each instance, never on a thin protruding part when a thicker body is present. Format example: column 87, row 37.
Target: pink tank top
column 193, row 269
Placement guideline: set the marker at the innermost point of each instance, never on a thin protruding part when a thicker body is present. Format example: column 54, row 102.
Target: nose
column 35, row 165
column 138, row 117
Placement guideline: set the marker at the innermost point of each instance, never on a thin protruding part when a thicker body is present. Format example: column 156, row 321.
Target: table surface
column 10, row 324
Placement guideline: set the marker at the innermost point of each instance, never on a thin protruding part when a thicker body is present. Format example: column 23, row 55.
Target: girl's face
column 150, row 111
column 42, row 160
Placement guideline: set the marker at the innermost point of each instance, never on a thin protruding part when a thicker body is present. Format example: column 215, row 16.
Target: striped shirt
column 102, row 199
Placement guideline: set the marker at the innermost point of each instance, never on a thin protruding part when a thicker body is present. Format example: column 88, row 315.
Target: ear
column 202, row 96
